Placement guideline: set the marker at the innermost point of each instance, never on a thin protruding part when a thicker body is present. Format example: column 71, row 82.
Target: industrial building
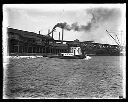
column 26, row 43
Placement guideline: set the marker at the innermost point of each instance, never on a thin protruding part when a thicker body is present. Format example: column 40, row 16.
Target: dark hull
column 68, row 57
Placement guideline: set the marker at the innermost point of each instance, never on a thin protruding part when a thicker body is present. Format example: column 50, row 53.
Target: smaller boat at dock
column 75, row 53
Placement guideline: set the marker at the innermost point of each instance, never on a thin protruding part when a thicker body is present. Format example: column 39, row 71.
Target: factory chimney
column 48, row 31
column 62, row 34
column 59, row 35
column 39, row 32
column 52, row 34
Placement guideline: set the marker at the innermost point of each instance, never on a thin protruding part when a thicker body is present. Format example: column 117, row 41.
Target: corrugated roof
column 28, row 34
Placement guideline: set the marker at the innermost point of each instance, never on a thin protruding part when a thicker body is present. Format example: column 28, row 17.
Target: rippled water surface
column 99, row 77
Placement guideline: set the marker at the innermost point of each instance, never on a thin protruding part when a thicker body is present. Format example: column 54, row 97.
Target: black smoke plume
column 63, row 25
column 99, row 16
column 73, row 26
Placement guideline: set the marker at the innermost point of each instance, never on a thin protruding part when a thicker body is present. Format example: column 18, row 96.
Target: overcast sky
column 92, row 21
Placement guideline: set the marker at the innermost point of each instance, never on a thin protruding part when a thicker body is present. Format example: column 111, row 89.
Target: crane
column 122, row 49
column 114, row 38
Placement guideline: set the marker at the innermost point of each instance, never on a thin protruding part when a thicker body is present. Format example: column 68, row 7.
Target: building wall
column 100, row 49
column 28, row 42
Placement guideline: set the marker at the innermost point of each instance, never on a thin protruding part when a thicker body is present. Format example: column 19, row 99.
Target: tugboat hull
column 72, row 57
column 68, row 57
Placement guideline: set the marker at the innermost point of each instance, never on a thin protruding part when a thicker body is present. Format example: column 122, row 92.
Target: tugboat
column 74, row 52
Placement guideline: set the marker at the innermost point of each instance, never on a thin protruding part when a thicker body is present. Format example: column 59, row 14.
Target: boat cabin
column 74, row 49
column 73, row 52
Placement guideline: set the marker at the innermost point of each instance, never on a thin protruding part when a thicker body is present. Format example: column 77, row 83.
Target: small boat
column 75, row 53
column 61, row 56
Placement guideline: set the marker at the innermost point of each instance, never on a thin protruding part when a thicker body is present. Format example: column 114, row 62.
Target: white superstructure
column 67, row 54
column 73, row 51
column 76, row 50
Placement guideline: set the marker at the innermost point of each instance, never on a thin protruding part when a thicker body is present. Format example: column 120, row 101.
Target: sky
column 84, row 22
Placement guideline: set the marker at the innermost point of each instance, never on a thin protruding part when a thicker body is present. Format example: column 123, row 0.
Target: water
column 99, row 77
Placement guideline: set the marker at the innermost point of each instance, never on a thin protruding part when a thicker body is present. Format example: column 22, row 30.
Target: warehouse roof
column 28, row 34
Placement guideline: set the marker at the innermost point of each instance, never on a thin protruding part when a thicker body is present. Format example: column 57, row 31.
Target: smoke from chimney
column 99, row 16
column 62, row 25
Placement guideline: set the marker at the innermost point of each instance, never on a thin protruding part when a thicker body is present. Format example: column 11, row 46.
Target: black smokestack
column 59, row 35
column 48, row 31
column 52, row 34
column 62, row 34
column 39, row 32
